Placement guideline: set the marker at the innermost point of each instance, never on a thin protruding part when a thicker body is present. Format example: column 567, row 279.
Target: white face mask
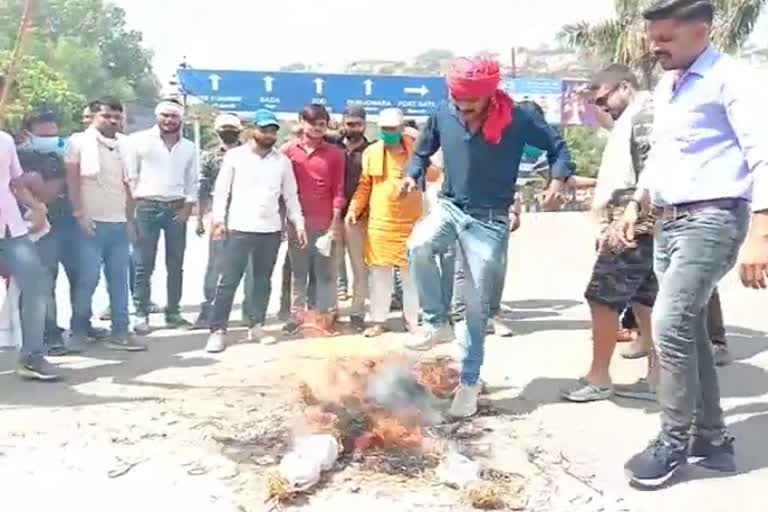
column 46, row 145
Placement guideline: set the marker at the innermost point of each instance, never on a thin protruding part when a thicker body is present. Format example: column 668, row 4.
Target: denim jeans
column 306, row 261
column 692, row 254
column 213, row 272
column 257, row 250
column 110, row 245
column 715, row 324
column 447, row 261
column 26, row 269
column 459, row 307
column 482, row 238
column 152, row 217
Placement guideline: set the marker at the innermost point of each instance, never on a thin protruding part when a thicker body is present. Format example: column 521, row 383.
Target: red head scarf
column 480, row 77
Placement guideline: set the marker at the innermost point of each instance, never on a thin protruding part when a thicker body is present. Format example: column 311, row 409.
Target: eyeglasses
column 602, row 100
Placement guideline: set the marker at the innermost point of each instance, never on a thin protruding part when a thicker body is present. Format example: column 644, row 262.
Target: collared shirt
column 10, row 215
column 353, row 167
column 210, row 164
column 478, row 174
column 249, row 188
column 320, row 178
column 709, row 137
column 156, row 172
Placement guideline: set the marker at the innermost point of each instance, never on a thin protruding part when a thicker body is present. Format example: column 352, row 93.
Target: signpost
column 248, row 91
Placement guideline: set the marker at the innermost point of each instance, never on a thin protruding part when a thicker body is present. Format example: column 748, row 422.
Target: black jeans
column 213, row 272
column 152, row 217
column 260, row 249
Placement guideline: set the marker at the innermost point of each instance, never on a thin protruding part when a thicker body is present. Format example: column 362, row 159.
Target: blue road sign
column 247, row 91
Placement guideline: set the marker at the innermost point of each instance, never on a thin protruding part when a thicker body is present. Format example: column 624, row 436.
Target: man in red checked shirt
column 319, row 169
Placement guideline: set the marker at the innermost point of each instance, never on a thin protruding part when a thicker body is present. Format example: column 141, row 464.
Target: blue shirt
column 709, row 137
column 478, row 174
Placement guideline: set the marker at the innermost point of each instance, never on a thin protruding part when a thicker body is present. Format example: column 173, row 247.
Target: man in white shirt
column 163, row 175
column 246, row 211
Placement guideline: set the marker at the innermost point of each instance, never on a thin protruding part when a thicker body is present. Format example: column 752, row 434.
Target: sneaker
column 640, row 390
column 97, row 333
column 124, row 343
column 429, row 336
column 654, row 466
column 464, row 403
column 175, row 320
column 106, row 315
column 588, row 393
column 636, row 350
column 215, row 342
column 141, row 327
column 36, row 368
column 498, row 328
column 357, row 323
column 722, row 354
column 256, row 334
column 76, row 343
column 717, row 457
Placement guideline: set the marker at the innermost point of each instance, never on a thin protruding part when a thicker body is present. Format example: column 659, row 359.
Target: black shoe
column 396, row 305
column 291, row 326
column 36, row 369
column 176, row 320
column 654, row 466
column 97, row 333
column 357, row 323
column 717, row 457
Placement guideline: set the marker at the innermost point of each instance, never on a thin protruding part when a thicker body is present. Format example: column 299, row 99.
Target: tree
column 586, row 147
column 37, row 86
column 622, row 40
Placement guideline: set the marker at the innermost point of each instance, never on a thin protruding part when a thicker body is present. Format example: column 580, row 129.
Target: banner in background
column 547, row 93
column 577, row 107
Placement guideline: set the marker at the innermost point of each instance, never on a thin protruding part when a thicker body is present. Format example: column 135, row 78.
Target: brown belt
column 680, row 210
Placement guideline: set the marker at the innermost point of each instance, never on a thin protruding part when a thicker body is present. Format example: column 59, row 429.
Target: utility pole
column 514, row 61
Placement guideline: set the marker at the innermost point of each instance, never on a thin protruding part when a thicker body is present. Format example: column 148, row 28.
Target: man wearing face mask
column 228, row 127
column 163, row 174
column 390, row 219
column 254, row 178
column 707, row 185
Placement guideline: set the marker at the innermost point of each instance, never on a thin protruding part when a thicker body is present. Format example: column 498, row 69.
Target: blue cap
column 264, row 117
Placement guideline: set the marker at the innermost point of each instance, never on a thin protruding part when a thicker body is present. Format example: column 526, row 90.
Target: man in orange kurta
column 390, row 219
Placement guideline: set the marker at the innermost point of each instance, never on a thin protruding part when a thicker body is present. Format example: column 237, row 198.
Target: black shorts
column 627, row 277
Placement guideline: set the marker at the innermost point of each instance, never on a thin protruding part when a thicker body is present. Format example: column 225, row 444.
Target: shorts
column 624, row 278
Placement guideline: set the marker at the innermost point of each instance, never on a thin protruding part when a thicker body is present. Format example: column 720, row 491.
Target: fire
column 341, row 403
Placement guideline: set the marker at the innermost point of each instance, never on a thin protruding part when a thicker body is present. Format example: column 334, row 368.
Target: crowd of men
column 683, row 167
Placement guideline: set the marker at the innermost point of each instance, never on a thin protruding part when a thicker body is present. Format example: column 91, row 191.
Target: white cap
column 223, row 120
column 391, row 118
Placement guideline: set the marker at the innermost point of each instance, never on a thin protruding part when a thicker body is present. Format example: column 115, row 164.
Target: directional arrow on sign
column 268, row 81
column 319, row 85
column 417, row 90
column 215, row 81
column 368, row 87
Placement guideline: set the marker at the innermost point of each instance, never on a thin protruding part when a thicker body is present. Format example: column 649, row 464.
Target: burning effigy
column 378, row 412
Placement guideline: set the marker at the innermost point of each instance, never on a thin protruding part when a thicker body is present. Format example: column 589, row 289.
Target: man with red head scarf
column 482, row 134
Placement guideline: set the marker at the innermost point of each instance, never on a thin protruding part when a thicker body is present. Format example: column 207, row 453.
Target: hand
column 553, row 197
column 514, row 221
column 336, row 230
column 407, row 185
column 38, row 218
column 200, row 228
column 183, row 213
column 132, row 233
column 753, row 262
column 218, row 231
column 351, row 218
column 625, row 227
column 301, row 237
column 86, row 224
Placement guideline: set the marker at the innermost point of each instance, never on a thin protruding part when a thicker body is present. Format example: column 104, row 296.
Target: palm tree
column 622, row 39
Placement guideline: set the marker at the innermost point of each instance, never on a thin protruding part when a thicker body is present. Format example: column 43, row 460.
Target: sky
column 267, row 34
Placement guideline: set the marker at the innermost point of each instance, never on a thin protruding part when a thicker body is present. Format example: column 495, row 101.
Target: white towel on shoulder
column 90, row 163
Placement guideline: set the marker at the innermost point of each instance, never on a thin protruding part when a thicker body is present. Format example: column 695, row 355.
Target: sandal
column 374, row 331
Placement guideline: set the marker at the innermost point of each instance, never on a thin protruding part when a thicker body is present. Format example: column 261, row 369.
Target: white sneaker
column 256, row 334
column 425, row 338
column 215, row 343
column 465, row 402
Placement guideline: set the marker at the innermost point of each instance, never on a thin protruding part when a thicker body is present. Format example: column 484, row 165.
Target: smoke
column 394, row 387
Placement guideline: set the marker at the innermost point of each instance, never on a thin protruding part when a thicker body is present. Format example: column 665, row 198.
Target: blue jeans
column 459, row 305
column 26, row 269
column 481, row 236
column 110, row 245
column 692, row 253
column 152, row 217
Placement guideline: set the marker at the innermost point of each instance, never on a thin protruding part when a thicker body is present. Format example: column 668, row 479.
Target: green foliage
column 40, row 86
column 88, row 45
column 586, row 146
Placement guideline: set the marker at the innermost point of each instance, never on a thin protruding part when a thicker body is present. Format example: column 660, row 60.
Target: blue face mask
column 47, row 144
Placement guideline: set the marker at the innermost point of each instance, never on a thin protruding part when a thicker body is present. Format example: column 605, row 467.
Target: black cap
column 700, row 10
column 355, row 111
